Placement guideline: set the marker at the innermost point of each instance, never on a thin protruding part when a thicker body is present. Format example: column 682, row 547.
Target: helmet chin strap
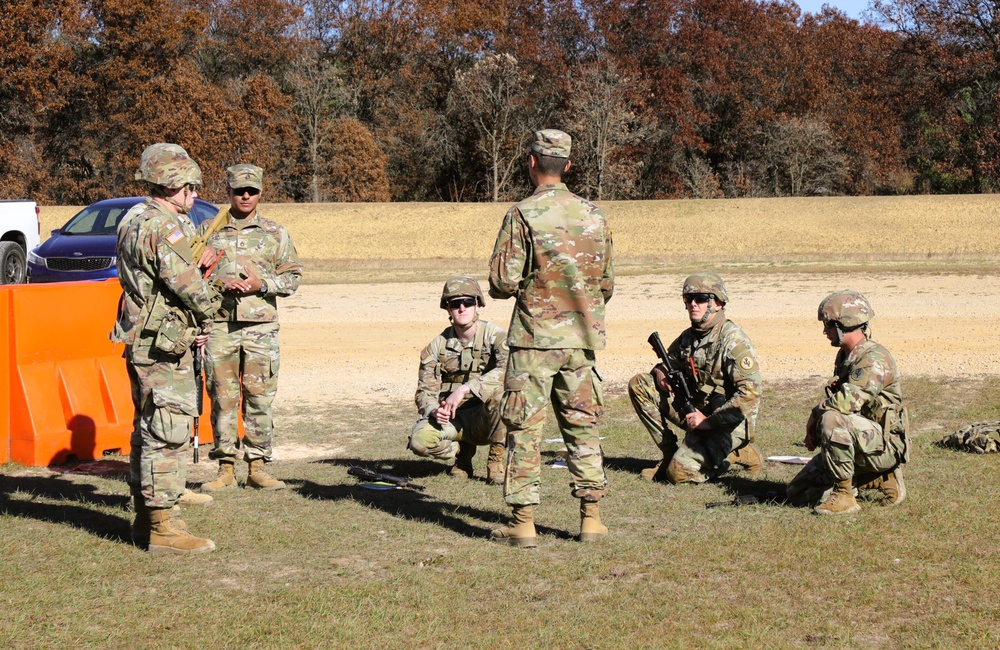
column 183, row 209
column 709, row 312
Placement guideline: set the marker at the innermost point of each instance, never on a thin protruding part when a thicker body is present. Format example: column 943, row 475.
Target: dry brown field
column 373, row 273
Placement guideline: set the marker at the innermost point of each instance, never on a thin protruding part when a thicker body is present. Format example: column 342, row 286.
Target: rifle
column 399, row 481
column 199, row 383
column 198, row 242
column 683, row 398
column 774, row 496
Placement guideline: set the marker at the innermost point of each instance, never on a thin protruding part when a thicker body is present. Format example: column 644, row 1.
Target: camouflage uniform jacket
column 727, row 382
column 554, row 253
column 865, row 382
column 446, row 363
column 163, row 295
column 264, row 247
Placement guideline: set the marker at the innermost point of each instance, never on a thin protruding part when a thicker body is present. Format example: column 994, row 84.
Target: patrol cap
column 244, row 175
column 552, row 142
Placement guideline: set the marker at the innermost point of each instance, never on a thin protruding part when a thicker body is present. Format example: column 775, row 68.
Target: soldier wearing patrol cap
column 555, row 256
column 164, row 299
column 861, row 426
column 257, row 259
column 459, row 386
column 722, row 372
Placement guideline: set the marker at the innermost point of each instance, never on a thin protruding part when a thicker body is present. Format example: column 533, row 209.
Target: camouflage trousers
column 567, row 378
column 850, row 446
column 161, row 433
column 699, row 455
column 475, row 422
column 241, row 366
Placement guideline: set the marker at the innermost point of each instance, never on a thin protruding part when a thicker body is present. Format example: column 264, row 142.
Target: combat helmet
column 848, row 308
column 709, row 283
column 168, row 165
column 461, row 285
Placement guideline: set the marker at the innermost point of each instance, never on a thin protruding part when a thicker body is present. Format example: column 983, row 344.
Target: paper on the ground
column 790, row 460
column 559, row 464
column 555, row 440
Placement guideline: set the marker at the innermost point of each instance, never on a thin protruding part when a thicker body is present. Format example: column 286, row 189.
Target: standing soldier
column 554, row 254
column 460, row 384
column 860, row 427
column 259, row 263
column 723, row 376
column 164, row 298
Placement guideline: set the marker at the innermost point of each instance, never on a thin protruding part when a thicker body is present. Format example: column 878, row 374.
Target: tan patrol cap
column 244, row 175
column 552, row 142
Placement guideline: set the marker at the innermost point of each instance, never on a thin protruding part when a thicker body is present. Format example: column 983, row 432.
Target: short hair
column 550, row 165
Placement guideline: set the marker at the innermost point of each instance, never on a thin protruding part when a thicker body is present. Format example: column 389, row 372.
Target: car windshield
column 95, row 220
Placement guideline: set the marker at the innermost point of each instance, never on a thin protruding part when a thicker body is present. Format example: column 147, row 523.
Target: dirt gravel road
column 351, row 344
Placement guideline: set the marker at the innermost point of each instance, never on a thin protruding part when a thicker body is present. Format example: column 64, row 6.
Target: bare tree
column 604, row 123
column 319, row 95
column 800, row 157
column 489, row 97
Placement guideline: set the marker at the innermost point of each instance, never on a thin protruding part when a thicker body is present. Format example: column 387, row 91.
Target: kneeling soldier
column 460, row 384
column 860, row 427
column 724, row 379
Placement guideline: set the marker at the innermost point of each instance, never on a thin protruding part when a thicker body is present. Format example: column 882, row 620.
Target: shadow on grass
column 742, row 486
column 628, row 464
column 14, row 501
column 411, row 504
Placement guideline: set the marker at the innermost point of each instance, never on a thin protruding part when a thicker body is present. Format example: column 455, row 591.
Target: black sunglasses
column 252, row 191
column 455, row 303
column 700, row 298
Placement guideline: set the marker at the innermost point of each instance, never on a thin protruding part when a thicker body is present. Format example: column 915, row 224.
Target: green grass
column 329, row 564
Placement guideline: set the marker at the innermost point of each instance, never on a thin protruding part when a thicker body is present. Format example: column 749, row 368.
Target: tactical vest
column 471, row 363
column 702, row 365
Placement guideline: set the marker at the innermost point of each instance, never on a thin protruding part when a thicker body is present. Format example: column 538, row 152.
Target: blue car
column 84, row 249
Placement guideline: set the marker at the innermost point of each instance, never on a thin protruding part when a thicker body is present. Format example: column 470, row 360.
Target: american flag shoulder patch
column 175, row 236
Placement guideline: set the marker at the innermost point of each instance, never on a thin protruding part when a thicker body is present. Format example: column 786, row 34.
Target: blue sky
column 852, row 8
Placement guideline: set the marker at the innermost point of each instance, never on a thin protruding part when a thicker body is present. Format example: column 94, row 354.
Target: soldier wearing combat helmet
column 164, row 301
column 860, row 428
column 722, row 373
column 459, row 385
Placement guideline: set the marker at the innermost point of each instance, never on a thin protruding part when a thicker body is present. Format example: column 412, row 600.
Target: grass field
column 330, row 564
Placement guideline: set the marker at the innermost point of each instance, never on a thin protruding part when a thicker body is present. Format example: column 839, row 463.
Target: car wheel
column 12, row 264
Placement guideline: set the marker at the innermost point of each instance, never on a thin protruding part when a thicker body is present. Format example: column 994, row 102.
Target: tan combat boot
column 893, row 487
column 840, row 502
column 463, row 461
column 225, row 480
column 591, row 528
column 258, row 478
column 657, row 473
column 521, row 529
column 189, row 498
column 747, row 458
column 494, row 463
column 166, row 538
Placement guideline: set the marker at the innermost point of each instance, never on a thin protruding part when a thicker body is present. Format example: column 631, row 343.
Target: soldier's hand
column 235, row 285
column 660, row 379
column 200, row 340
column 695, row 420
column 442, row 414
column 207, row 257
column 253, row 282
column 453, row 401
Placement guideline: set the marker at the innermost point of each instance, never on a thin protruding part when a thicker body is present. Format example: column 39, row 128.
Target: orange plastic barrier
column 66, row 391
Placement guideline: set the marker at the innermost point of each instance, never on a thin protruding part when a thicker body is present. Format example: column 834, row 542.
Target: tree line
column 434, row 100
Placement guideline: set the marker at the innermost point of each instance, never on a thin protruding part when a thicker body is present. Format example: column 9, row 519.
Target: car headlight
column 35, row 259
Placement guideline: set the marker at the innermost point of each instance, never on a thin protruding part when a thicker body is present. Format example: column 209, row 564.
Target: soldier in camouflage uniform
column 860, row 427
column 723, row 375
column 554, row 254
column 164, row 298
column 258, row 260
column 460, row 384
